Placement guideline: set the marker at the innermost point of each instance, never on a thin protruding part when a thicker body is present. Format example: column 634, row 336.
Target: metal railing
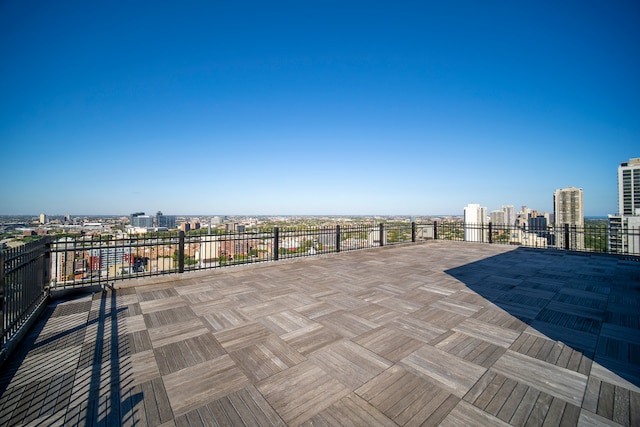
column 599, row 238
column 96, row 260
column 24, row 276
column 82, row 261
column 28, row 272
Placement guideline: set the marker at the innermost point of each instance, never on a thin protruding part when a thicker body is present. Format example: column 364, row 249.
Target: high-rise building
column 43, row 218
column 629, row 188
column 62, row 259
column 139, row 219
column 168, row 221
column 498, row 217
column 111, row 261
column 537, row 224
column 133, row 216
column 475, row 221
column 624, row 228
column 568, row 210
column 509, row 214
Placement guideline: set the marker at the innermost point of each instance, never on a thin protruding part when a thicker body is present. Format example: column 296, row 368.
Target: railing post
column 181, row 251
column 566, row 236
column 435, row 230
column 47, row 264
column 381, row 234
column 490, row 232
column 413, row 231
column 337, row 237
column 276, row 243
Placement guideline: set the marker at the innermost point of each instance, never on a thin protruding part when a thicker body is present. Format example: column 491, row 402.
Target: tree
column 188, row 260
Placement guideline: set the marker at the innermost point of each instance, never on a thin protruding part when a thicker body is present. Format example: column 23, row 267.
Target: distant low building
column 140, row 230
column 142, row 221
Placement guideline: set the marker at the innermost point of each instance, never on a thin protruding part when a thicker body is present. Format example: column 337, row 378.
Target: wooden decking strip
column 442, row 333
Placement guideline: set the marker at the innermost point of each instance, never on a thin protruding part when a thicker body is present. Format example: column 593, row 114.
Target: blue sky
column 316, row 107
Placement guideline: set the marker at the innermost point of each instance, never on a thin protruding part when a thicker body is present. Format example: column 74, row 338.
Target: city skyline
column 416, row 108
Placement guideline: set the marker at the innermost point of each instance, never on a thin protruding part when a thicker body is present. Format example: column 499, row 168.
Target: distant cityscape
column 527, row 226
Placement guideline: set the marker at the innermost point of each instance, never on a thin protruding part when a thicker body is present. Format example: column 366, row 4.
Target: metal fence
column 29, row 271
column 81, row 261
column 599, row 238
column 24, row 276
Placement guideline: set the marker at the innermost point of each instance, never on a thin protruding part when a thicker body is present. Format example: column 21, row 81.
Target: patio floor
column 439, row 333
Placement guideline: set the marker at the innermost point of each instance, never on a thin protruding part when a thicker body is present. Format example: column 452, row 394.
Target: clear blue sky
column 314, row 107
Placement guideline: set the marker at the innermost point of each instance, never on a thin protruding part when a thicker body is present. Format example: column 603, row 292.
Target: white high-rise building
column 568, row 209
column 509, row 214
column 629, row 188
column 624, row 228
column 475, row 221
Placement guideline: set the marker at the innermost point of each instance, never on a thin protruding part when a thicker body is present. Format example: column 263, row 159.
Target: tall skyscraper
column 624, row 228
column 629, row 188
column 475, row 221
column 498, row 217
column 509, row 214
column 568, row 209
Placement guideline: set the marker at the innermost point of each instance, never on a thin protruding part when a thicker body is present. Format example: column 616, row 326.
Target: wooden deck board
column 301, row 394
column 559, row 382
column 442, row 333
column 349, row 363
column 350, row 411
column 260, row 361
column 388, row 343
column 465, row 414
column 512, row 402
column 422, row 406
column 455, row 374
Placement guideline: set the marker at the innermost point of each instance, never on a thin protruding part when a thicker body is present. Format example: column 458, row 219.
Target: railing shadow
column 589, row 302
column 71, row 371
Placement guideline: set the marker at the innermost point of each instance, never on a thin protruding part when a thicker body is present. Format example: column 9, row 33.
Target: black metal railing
column 93, row 260
column 29, row 271
column 24, row 277
column 599, row 237
column 84, row 261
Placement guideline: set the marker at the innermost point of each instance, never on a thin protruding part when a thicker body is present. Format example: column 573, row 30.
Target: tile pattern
column 442, row 333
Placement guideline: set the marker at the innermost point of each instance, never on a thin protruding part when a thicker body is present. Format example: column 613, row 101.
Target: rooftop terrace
column 442, row 332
